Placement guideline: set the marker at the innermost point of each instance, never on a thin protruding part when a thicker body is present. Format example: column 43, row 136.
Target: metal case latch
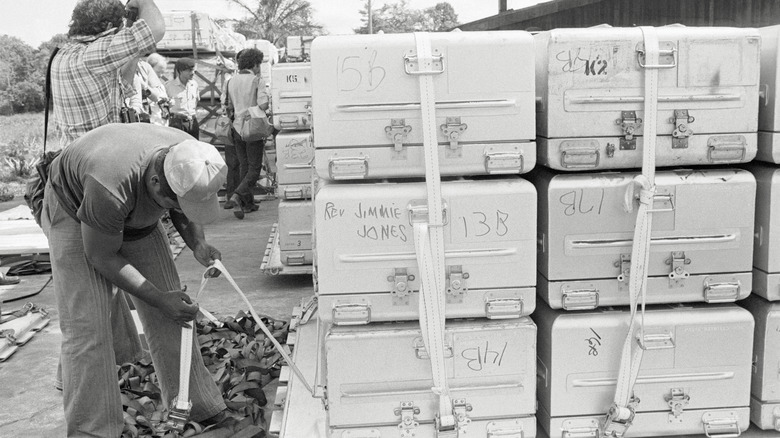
column 460, row 410
column 452, row 129
column 630, row 124
column 456, row 283
column 408, row 423
column 397, row 132
column 625, row 267
column 681, row 129
column 399, row 287
column 677, row 262
column 677, row 399
column 418, row 211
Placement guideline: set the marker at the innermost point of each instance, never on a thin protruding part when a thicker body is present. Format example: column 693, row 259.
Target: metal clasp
column 677, row 261
column 579, row 298
column 677, row 400
column 456, row 283
column 453, row 129
column 397, row 132
column 399, row 285
column 351, row 314
column 460, row 410
column 408, row 423
column 681, row 129
column 422, row 353
column 625, row 268
column 630, row 124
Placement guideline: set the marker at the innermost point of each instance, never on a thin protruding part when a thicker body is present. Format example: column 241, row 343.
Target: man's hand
column 177, row 306
column 205, row 254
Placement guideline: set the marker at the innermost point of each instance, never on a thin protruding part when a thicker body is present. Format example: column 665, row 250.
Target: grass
column 21, row 143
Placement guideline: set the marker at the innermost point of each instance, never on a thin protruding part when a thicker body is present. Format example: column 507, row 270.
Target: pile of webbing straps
column 241, row 359
column 642, row 189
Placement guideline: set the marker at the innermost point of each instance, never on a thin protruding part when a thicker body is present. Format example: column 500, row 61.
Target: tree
column 275, row 20
column 399, row 18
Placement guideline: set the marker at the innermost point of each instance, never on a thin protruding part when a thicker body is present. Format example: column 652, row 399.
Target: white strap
column 621, row 413
column 182, row 399
column 429, row 238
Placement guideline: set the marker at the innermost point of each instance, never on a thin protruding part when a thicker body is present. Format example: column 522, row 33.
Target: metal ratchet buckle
column 177, row 418
column 614, row 427
column 449, row 429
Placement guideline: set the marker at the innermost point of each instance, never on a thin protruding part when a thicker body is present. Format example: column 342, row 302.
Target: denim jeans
column 91, row 395
column 250, row 157
column 234, row 170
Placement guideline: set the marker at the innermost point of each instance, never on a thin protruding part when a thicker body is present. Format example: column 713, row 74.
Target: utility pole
column 370, row 19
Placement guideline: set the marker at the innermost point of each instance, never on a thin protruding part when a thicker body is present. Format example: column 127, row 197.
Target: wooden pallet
column 296, row 413
column 272, row 259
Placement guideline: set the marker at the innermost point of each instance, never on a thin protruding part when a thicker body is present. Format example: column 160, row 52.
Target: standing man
column 183, row 93
column 86, row 72
column 102, row 207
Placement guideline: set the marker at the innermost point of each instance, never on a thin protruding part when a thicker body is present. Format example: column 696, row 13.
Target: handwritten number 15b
column 350, row 76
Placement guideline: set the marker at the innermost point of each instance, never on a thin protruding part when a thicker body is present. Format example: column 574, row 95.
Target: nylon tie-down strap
column 181, row 403
column 621, row 413
column 429, row 241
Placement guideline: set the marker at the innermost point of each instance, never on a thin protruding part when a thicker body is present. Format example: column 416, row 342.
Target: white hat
column 196, row 171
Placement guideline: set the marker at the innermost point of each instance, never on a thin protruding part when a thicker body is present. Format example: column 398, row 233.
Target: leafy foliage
column 23, row 74
column 399, row 18
column 275, row 20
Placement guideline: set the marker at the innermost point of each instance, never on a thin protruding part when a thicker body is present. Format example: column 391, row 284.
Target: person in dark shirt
column 102, row 207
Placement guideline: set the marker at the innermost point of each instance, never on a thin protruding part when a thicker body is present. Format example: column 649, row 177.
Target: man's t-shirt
column 99, row 179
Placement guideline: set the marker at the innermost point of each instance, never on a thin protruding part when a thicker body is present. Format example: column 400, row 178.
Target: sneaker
column 238, row 210
column 248, row 208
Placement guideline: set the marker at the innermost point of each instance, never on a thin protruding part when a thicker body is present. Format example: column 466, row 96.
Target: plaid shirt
column 85, row 79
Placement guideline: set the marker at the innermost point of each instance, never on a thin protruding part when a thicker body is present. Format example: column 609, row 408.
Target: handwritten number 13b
column 482, row 227
column 351, row 78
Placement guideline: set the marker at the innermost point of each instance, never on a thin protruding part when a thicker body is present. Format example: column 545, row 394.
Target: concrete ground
column 29, row 404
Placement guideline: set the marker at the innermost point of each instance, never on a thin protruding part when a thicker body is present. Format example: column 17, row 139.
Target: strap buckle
column 618, row 420
column 178, row 417
column 446, row 427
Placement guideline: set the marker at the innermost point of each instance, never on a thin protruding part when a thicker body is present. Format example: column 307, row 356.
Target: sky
column 35, row 21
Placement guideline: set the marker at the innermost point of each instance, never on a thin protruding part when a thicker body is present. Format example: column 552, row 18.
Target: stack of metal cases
column 291, row 103
column 368, row 138
column 764, row 303
column 590, row 94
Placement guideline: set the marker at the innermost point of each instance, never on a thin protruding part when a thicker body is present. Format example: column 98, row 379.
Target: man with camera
column 87, row 72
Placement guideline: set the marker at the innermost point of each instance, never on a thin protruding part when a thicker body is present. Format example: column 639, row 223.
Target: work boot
column 248, row 208
column 228, row 203
column 238, row 206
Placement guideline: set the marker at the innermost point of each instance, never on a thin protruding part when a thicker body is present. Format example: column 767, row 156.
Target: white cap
column 196, row 171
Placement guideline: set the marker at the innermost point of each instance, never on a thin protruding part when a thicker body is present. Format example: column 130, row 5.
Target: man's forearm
column 126, row 277
column 191, row 232
column 149, row 12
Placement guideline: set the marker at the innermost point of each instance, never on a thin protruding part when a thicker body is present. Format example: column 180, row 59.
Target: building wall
column 626, row 13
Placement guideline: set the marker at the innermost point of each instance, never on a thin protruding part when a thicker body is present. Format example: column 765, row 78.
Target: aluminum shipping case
column 366, row 261
column 367, row 115
column 701, row 247
column 590, row 93
column 698, row 359
column 294, row 163
column 769, row 109
column 766, row 245
column 378, row 374
column 295, row 231
column 765, row 385
column 291, row 95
